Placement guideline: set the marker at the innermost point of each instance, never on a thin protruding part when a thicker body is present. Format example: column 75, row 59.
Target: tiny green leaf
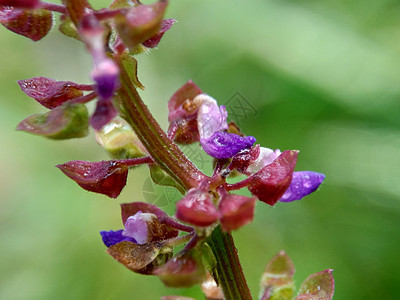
column 130, row 65
column 68, row 28
column 63, row 122
column 159, row 176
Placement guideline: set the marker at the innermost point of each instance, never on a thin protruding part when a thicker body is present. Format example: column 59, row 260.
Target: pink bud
column 197, row 209
column 140, row 23
column 236, row 211
column 105, row 177
column 182, row 271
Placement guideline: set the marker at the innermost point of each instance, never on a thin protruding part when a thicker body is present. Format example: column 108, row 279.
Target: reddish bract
column 236, row 211
column 105, row 177
column 33, row 24
column 271, row 182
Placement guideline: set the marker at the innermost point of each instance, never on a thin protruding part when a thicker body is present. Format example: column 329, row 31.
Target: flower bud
column 182, row 271
column 33, row 24
column 271, row 182
column 197, row 209
column 236, row 211
column 63, row 122
column 105, row 177
column 140, row 23
column 119, row 140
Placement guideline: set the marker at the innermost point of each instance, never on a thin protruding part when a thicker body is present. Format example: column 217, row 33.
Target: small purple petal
column 104, row 113
column 303, row 183
column 136, row 227
column 106, row 75
column 114, row 237
column 225, row 145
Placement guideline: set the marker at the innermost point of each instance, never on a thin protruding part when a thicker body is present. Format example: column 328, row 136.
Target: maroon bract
column 105, row 177
column 155, row 40
column 179, row 104
column 49, row 92
column 197, row 209
column 20, row 3
column 271, row 182
column 244, row 158
column 33, row 24
column 236, row 211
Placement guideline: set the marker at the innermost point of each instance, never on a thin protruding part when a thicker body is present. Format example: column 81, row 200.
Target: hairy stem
column 229, row 270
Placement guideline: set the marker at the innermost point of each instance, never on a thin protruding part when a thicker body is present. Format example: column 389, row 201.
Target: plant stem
column 164, row 152
column 230, row 274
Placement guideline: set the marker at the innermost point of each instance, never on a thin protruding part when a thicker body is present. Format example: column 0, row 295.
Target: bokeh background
column 319, row 76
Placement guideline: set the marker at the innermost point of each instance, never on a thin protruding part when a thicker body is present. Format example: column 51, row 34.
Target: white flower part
column 210, row 117
column 137, row 227
column 266, row 157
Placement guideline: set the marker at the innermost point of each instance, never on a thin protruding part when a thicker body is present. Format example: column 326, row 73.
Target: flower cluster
column 148, row 241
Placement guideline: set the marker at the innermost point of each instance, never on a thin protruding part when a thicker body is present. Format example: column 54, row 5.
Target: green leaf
column 162, row 178
column 130, row 64
column 68, row 28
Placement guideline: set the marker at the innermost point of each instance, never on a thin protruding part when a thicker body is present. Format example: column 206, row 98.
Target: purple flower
column 106, row 75
column 303, row 184
column 137, row 227
column 211, row 120
column 114, row 237
column 224, row 145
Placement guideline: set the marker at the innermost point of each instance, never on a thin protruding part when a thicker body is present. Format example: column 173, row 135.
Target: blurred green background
column 320, row 76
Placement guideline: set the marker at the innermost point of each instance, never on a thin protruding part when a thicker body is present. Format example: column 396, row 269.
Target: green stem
column 164, row 152
column 229, row 270
column 171, row 159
